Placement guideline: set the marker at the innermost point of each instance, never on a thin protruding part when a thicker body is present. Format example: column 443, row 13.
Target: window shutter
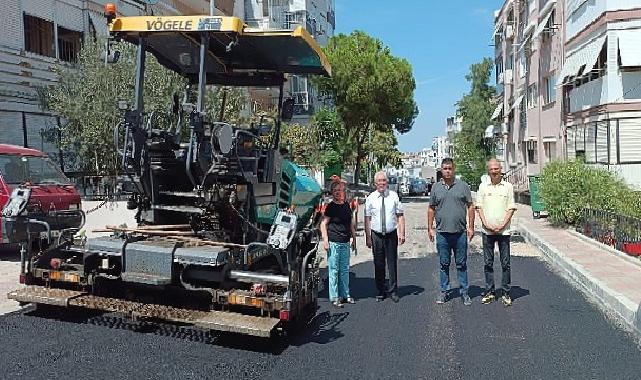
column 630, row 140
column 571, row 148
column 602, row 142
column 590, row 141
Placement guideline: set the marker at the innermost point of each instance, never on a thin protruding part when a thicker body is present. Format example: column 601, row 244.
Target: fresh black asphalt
column 551, row 332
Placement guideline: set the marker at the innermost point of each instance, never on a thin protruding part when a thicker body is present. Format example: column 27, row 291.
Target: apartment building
column 453, row 125
column 528, row 55
column 601, row 85
column 318, row 17
column 37, row 35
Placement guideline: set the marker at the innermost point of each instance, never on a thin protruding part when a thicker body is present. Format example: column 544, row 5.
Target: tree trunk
column 360, row 155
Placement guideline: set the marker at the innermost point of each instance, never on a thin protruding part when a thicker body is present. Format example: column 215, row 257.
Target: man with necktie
column 384, row 232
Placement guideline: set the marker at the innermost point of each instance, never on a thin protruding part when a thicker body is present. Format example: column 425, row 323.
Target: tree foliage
column 371, row 89
column 471, row 149
column 86, row 97
column 319, row 144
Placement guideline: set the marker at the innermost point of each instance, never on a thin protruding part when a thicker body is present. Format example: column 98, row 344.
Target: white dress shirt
column 393, row 208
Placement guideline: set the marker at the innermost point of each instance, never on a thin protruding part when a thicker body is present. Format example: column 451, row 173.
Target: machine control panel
column 283, row 229
column 17, row 202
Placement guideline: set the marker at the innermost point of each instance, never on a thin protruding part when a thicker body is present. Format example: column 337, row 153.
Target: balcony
column 588, row 95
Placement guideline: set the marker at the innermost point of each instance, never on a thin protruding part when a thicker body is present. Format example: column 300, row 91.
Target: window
column 522, row 66
column 549, row 96
column 550, row 150
column 499, row 67
column 38, row 36
column 532, row 94
column 265, row 8
column 532, row 152
column 579, row 143
column 38, row 170
column 69, row 43
column 510, row 61
column 512, row 153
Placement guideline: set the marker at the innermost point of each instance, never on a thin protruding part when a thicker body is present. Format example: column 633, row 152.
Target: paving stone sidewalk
column 608, row 278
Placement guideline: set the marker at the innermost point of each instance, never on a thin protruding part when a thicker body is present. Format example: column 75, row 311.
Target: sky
column 440, row 38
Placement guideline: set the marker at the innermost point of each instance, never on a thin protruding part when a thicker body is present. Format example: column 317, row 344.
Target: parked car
column 393, row 184
column 418, row 186
column 53, row 198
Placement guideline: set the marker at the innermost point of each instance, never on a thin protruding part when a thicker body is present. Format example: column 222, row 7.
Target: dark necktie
column 383, row 228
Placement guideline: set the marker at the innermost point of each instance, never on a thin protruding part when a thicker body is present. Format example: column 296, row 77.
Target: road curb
column 607, row 299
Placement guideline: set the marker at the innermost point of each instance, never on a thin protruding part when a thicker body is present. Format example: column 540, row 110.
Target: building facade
column 453, row 125
column 528, row 58
column 37, row 35
column 601, row 84
column 318, row 17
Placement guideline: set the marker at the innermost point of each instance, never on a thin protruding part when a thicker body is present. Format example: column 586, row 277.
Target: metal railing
column 518, row 178
column 620, row 232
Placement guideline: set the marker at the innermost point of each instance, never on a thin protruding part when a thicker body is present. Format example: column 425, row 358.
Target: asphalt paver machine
column 227, row 231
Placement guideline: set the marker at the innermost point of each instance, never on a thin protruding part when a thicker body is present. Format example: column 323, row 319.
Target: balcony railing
column 620, row 232
column 518, row 178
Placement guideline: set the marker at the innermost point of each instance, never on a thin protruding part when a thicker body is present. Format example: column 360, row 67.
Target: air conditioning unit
column 507, row 77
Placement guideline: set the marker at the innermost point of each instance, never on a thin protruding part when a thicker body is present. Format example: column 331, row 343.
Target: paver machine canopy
column 244, row 258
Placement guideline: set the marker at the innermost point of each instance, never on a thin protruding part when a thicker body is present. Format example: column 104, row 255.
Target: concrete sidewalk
column 613, row 282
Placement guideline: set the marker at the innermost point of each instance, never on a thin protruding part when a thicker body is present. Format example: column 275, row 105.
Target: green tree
column 319, row 144
column 383, row 148
column 371, row 89
column 86, row 97
column 471, row 148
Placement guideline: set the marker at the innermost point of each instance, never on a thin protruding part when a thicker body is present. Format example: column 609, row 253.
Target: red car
column 53, row 198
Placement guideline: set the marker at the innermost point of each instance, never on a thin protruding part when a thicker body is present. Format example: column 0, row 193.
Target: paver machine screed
column 227, row 231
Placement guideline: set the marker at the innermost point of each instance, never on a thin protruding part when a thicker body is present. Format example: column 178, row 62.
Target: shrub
column 569, row 187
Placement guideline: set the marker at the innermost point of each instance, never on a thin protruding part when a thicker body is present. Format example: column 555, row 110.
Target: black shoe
column 394, row 297
column 380, row 298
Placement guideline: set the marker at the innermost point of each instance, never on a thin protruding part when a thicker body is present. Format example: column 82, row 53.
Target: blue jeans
column 445, row 244
column 338, row 266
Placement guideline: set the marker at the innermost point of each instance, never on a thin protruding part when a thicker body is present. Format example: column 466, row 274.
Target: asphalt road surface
column 551, row 332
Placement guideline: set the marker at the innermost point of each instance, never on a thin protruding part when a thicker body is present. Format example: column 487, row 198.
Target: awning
column 529, row 28
column 497, row 111
column 517, row 102
column 527, row 34
column 630, row 47
column 549, row 139
column 547, row 9
column 544, row 21
column 584, row 56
